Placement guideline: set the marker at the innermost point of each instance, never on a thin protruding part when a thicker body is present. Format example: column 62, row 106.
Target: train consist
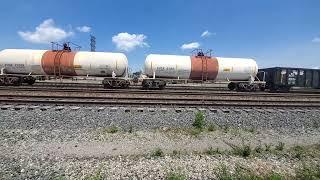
column 20, row 66
column 240, row 73
column 282, row 79
column 24, row 66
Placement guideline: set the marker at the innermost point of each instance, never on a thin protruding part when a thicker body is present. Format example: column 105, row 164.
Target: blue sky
column 274, row 32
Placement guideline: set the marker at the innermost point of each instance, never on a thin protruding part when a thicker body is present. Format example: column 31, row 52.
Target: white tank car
column 200, row 67
column 45, row 62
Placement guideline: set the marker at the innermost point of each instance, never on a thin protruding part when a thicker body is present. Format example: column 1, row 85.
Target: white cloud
column 45, row 33
column 127, row 42
column 206, row 34
column 192, row 45
column 316, row 40
column 84, row 29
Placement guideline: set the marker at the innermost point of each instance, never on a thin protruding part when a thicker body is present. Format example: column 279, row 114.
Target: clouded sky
column 274, row 32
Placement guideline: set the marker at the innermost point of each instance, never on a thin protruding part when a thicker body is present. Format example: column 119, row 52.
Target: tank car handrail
column 2, row 71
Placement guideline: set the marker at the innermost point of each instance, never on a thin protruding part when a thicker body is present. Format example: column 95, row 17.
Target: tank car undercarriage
column 15, row 80
column 113, row 83
column 153, row 84
column 246, row 87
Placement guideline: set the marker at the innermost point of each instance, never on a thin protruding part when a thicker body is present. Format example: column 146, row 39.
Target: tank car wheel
column 232, row 86
column 31, row 81
column 125, row 86
column 107, row 86
column 262, row 88
column 161, row 87
column 2, row 81
column 15, row 81
column 252, row 88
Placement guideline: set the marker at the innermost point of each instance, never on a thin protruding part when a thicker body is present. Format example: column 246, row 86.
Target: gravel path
column 76, row 143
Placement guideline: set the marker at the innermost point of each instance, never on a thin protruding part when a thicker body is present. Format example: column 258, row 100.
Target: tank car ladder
column 204, row 73
column 57, row 63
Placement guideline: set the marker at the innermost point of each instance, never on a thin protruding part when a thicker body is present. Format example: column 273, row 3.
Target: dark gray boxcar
column 283, row 78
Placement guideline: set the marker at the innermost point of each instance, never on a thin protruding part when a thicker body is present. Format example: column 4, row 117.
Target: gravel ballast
column 70, row 142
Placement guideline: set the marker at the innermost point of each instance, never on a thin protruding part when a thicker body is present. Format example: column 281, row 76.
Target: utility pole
column 93, row 43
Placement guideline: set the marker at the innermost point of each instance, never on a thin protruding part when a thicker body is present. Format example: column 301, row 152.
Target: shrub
column 244, row 150
column 112, row 129
column 130, row 129
column 280, row 146
column 175, row 176
column 96, row 176
column 195, row 132
column 212, row 127
column 60, row 177
column 252, row 130
column 268, row 147
column 199, row 121
column 157, row 153
column 211, row 151
column 298, row 152
column 258, row 149
column 226, row 128
column 176, row 152
column 244, row 173
column 223, row 173
column 308, row 172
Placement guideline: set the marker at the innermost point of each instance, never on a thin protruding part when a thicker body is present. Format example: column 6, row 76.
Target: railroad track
column 199, row 86
column 100, row 86
column 156, row 101
column 155, row 92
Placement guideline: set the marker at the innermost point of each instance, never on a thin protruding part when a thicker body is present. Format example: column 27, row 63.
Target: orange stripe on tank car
column 204, row 68
column 58, row 62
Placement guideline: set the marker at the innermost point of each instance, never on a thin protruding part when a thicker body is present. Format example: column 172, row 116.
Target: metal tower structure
column 93, row 43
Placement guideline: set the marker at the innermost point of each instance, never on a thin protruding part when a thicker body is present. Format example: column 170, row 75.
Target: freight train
column 282, row 79
column 20, row 66
column 239, row 72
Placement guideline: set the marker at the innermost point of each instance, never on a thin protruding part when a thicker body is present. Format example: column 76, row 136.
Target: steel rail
column 205, row 99
column 158, row 102
column 161, row 92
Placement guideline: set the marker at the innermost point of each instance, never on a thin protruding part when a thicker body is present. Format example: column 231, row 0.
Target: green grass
column 258, row 149
column 96, row 176
column 60, row 177
column 212, row 151
column 298, row 152
column 111, row 130
column 243, row 150
column 268, row 147
column 175, row 176
column 225, row 128
column 130, row 129
column 212, row 127
column 243, row 173
column 157, row 153
column 199, row 121
column 280, row 146
column 176, row 153
column 308, row 172
column 195, row 132
column 252, row 130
